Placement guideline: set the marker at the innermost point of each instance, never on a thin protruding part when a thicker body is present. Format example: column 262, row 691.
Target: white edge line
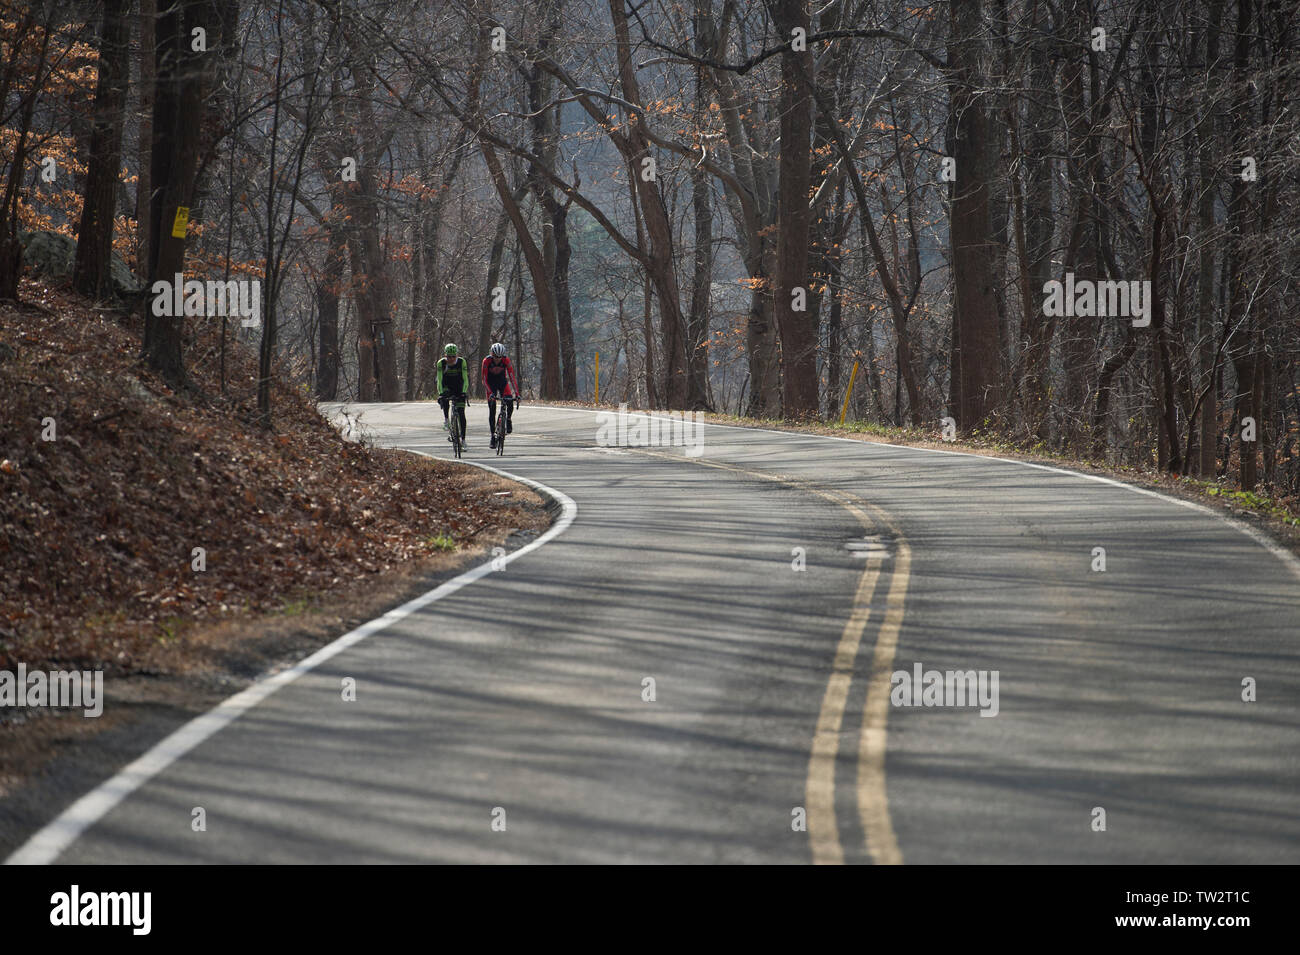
column 54, row 838
column 1288, row 558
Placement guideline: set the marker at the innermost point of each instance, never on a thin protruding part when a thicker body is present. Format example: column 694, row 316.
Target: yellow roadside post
column 847, row 394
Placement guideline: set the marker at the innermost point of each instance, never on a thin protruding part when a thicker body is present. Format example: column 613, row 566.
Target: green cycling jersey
column 453, row 376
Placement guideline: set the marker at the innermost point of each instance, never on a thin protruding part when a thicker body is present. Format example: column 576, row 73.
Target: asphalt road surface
column 698, row 668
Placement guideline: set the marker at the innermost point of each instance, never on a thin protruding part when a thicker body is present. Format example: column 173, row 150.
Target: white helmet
column 499, row 350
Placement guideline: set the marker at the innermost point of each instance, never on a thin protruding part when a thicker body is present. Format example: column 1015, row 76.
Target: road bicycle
column 457, row 428
column 499, row 429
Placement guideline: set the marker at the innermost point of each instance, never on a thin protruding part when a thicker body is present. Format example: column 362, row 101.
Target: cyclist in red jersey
column 499, row 376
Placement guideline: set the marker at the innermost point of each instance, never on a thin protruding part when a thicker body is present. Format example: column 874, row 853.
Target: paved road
column 521, row 697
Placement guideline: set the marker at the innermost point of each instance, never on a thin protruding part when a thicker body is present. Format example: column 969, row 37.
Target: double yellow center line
column 819, row 791
column 872, row 796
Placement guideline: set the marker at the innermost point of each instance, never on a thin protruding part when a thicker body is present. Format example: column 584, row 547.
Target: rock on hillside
column 51, row 255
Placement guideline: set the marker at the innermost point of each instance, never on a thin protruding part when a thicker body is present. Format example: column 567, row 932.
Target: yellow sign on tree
column 181, row 221
column 853, row 376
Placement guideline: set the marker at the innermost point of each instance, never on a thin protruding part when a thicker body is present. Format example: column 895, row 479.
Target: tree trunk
column 372, row 285
column 1242, row 345
column 92, row 270
column 1034, row 229
column 1166, row 396
column 760, row 339
column 651, row 383
column 697, row 323
column 417, row 291
column 11, row 251
column 550, row 384
column 797, row 329
column 1078, row 341
column 143, row 186
column 976, row 354
column 661, row 264
column 554, row 216
column 493, row 276
column 327, row 305
column 178, row 111
column 1207, row 465
column 564, row 302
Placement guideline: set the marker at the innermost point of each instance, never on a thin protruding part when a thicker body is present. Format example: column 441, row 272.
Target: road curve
column 770, row 587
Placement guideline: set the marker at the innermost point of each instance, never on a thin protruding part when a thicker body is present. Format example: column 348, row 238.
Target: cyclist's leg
column 442, row 402
column 492, row 413
column 510, row 414
column 460, row 414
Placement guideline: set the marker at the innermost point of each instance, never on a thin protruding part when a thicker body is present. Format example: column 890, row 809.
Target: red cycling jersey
column 499, row 375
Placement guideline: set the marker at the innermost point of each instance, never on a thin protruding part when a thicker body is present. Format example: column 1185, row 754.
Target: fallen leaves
column 99, row 526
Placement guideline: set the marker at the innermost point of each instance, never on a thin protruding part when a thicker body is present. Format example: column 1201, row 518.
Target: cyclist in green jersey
column 453, row 382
